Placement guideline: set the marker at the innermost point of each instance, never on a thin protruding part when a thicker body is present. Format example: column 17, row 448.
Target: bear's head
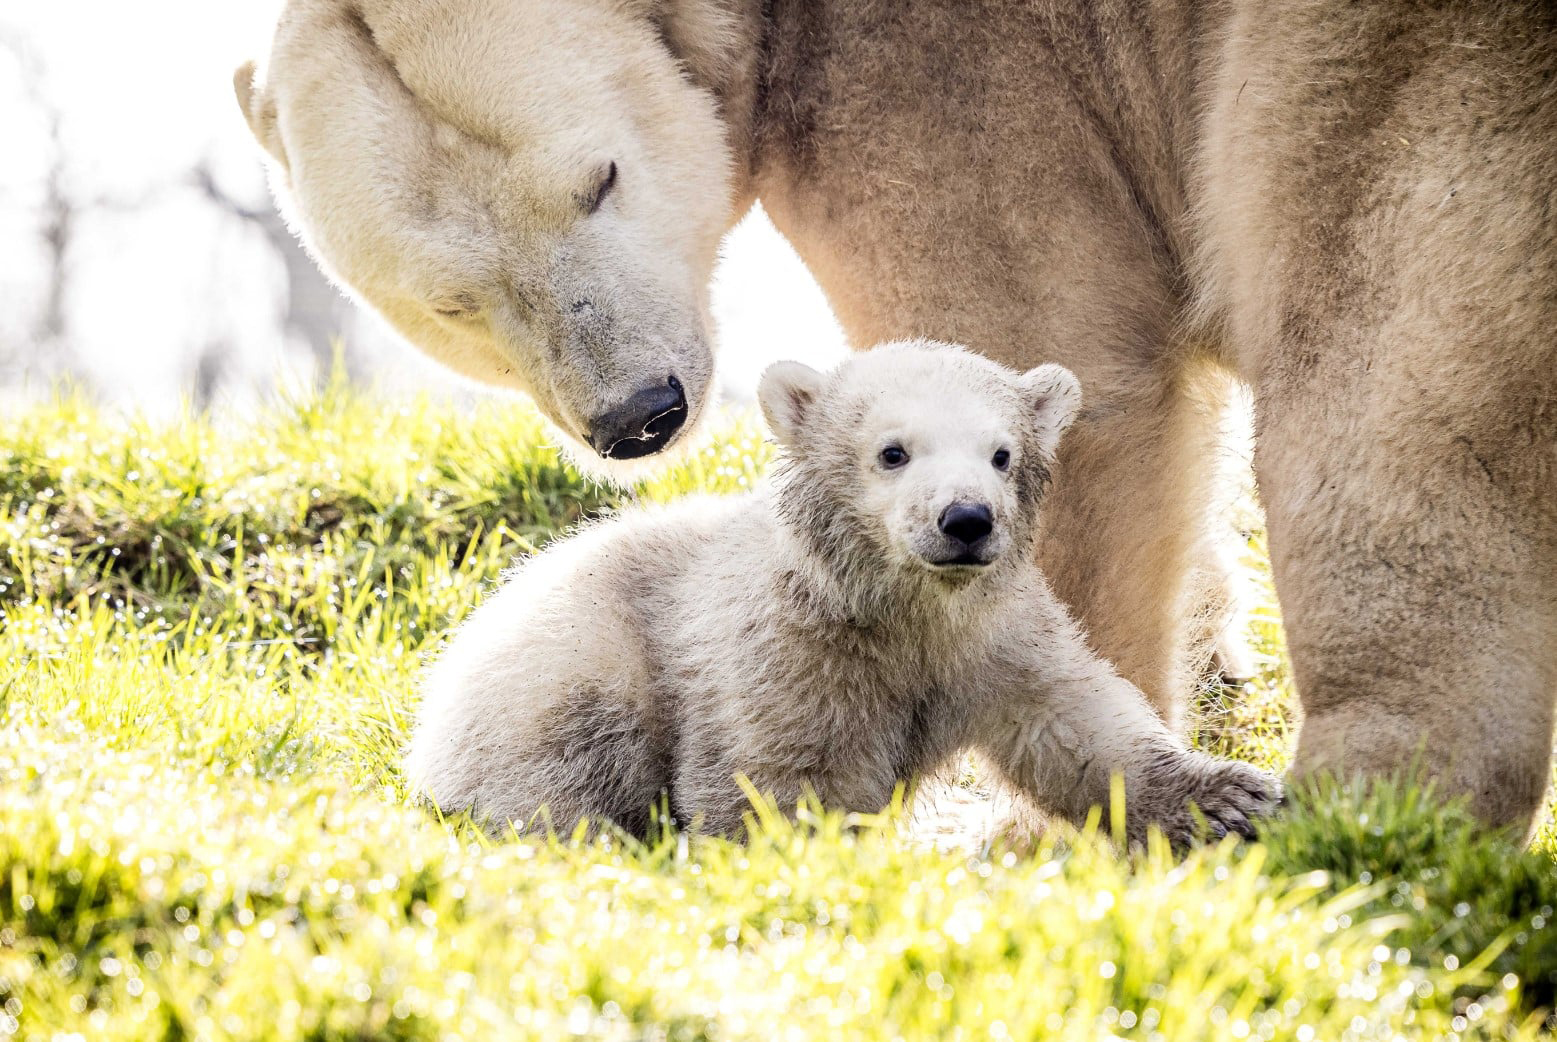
column 916, row 460
column 532, row 191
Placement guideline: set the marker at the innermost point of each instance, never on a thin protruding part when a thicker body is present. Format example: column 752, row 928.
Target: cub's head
column 921, row 457
column 532, row 191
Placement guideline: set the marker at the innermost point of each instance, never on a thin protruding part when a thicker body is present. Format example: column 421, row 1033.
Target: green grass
column 209, row 660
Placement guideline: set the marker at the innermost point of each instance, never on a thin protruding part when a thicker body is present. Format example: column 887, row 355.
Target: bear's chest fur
column 797, row 702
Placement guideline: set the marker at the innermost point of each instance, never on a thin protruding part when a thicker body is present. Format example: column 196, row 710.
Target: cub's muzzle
column 967, row 528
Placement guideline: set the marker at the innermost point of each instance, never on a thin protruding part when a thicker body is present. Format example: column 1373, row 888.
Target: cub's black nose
column 643, row 424
column 968, row 523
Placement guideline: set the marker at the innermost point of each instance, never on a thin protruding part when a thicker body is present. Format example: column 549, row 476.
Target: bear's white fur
column 824, row 634
column 432, row 155
column 1347, row 206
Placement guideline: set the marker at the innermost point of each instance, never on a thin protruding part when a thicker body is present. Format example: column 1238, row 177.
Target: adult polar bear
column 1350, row 206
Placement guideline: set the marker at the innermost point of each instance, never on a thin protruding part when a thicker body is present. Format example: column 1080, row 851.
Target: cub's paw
column 1227, row 794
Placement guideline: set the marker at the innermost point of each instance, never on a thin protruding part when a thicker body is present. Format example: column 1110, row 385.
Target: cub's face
column 923, row 454
column 529, row 190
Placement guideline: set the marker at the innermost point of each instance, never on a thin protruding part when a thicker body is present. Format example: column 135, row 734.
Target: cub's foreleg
column 1060, row 724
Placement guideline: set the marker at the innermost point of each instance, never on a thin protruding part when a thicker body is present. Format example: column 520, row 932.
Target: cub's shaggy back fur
column 834, row 632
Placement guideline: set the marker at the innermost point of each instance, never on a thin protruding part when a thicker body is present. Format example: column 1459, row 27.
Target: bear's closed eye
column 605, row 180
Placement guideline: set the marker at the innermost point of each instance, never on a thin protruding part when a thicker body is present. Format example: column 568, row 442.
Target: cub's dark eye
column 893, row 457
column 1001, row 459
column 605, row 180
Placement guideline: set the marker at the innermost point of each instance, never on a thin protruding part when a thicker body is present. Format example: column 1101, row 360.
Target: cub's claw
column 1227, row 794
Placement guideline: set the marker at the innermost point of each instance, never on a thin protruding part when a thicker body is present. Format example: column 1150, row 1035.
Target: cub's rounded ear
column 1054, row 394
column 259, row 110
column 787, row 392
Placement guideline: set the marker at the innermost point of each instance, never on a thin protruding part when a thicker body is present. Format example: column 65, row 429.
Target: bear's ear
column 259, row 110
column 1054, row 394
column 786, row 392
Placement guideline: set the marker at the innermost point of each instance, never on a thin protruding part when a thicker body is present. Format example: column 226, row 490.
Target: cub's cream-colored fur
column 825, row 634
column 1346, row 206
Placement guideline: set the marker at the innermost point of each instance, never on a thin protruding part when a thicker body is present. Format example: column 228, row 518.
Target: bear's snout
column 967, row 523
column 642, row 425
column 967, row 528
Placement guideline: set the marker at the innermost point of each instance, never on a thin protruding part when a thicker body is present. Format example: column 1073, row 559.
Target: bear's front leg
column 1060, row 724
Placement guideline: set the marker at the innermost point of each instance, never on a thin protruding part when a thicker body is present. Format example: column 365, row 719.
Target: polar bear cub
column 871, row 612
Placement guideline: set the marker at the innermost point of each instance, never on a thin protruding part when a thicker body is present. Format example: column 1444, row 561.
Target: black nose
column 643, row 424
column 967, row 522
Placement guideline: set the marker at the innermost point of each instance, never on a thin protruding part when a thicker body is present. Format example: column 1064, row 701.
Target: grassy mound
column 210, row 641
